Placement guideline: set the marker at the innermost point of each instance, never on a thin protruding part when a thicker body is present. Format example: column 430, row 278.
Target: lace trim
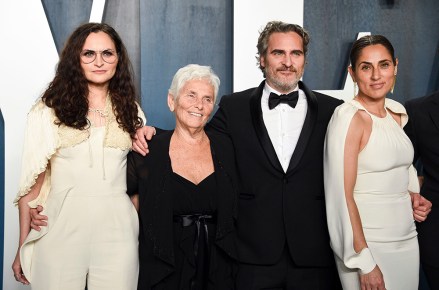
column 42, row 128
column 115, row 137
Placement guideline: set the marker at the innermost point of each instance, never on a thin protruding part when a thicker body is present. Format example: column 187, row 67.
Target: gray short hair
column 194, row 72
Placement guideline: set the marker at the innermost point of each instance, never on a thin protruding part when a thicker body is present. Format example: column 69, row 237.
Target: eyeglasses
column 108, row 55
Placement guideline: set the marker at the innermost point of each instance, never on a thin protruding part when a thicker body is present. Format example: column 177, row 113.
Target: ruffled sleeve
column 397, row 108
column 40, row 143
column 339, row 224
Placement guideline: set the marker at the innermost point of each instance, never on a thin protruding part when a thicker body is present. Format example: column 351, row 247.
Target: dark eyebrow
column 88, row 49
column 283, row 51
column 278, row 51
column 381, row 61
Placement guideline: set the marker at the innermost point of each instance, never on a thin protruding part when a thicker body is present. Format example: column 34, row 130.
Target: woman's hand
column 16, row 268
column 373, row 280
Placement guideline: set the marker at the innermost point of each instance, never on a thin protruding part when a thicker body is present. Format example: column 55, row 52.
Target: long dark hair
column 68, row 91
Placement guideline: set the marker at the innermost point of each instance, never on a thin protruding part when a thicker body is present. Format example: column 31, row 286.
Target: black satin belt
column 200, row 220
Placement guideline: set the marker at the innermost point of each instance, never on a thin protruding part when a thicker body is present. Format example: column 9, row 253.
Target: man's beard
column 281, row 85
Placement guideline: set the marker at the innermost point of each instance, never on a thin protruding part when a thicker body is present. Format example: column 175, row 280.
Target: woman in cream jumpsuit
column 74, row 164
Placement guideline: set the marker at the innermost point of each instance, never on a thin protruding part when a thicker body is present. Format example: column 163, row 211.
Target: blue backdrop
column 411, row 26
column 168, row 35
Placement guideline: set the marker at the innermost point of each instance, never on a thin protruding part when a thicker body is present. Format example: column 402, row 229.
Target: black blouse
column 150, row 177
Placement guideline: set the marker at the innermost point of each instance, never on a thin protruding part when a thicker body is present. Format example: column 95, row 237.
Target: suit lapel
column 308, row 126
column 261, row 130
column 433, row 111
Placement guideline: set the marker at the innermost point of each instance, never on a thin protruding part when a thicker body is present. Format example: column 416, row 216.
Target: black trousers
column 432, row 275
column 286, row 275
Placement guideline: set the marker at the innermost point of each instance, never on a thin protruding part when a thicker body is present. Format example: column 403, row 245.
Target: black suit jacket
column 275, row 208
column 423, row 129
column 149, row 176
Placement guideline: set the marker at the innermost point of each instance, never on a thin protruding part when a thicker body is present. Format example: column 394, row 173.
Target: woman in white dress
column 74, row 164
column 369, row 178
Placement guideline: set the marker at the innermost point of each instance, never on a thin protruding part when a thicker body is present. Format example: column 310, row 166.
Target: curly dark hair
column 68, row 91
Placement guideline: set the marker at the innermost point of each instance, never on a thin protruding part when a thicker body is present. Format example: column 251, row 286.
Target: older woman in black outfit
column 186, row 193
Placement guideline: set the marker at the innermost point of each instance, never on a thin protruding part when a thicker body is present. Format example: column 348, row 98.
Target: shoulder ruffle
column 40, row 129
column 397, row 108
column 391, row 105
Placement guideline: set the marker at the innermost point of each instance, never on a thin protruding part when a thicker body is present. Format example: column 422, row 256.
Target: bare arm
column 356, row 139
column 135, row 201
column 25, row 220
column 352, row 149
column 23, row 207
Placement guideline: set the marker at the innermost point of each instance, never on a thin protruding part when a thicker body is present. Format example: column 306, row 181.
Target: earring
column 393, row 85
column 355, row 89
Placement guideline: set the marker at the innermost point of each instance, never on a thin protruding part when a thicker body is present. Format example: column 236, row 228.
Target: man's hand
column 421, row 207
column 37, row 220
column 142, row 135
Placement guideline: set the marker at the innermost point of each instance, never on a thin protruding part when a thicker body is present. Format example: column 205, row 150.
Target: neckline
column 181, row 177
column 97, row 127
column 370, row 113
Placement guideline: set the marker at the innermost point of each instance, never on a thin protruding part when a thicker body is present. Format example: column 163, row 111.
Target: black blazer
column 423, row 129
column 149, row 176
column 275, row 208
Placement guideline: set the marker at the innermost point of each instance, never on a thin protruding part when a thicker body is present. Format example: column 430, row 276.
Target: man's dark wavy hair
column 68, row 91
column 278, row 26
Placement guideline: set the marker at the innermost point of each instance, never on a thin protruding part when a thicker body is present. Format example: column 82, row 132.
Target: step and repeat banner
column 164, row 35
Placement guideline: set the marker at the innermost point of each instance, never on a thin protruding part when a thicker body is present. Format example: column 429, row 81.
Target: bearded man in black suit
column 278, row 130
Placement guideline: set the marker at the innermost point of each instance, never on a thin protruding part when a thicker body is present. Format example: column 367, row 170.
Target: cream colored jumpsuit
column 94, row 236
